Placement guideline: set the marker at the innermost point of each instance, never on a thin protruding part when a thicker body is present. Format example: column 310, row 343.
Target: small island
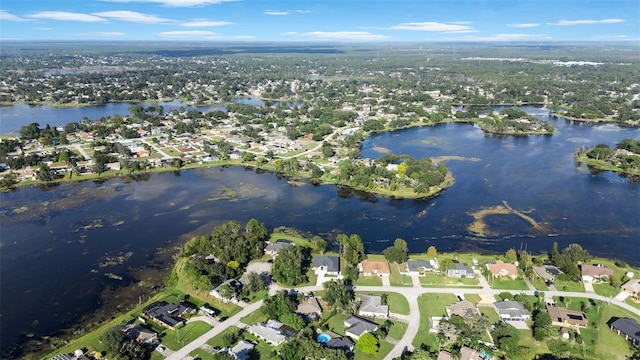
column 624, row 158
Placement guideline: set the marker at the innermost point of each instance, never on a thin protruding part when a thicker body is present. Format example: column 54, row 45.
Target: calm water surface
column 57, row 244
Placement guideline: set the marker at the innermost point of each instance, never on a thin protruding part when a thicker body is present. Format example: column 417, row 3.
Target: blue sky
column 310, row 20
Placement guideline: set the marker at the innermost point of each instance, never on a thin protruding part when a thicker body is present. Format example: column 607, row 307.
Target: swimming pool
column 323, row 338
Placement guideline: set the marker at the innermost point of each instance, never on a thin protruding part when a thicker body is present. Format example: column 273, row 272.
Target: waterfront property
column 628, row 329
column 234, row 286
column 632, row 286
column 547, row 272
column 140, row 334
column 169, row 315
column 374, row 268
column 420, row 267
column 590, row 273
column 273, row 248
column 499, row 268
column 460, row 270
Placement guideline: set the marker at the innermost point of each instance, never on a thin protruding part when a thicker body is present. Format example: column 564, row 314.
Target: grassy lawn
column 368, row 281
column 539, row 284
column 171, row 151
column 254, row 318
column 397, row 330
column 632, row 303
column 397, row 279
column 397, row 303
column 217, row 340
column 526, row 339
column 490, row 313
column 294, row 239
column 474, row 298
column 176, row 339
column 605, row 290
column 508, row 284
column 200, row 354
column 336, row 323
column 383, row 350
column 569, row 286
column 433, row 280
column 431, row 305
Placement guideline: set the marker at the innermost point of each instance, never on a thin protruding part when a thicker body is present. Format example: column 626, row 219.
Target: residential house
column 461, row 308
column 168, row 315
column 234, row 285
column 309, row 309
column 627, row 328
column 564, row 317
column 356, row 326
column 273, row 247
column 594, row 272
column 419, row 267
column 511, row 311
column 140, row 334
column 326, row 265
column 460, row 270
column 273, row 332
column 547, row 272
column 374, row 268
column 371, row 306
column 340, row 343
column 632, row 286
column 242, row 350
column 501, row 269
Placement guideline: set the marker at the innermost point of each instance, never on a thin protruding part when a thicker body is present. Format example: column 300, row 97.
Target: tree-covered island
column 624, row 158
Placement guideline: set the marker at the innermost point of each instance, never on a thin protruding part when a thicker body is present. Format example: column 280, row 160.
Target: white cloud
column 524, row 25
column 110, row 33
column 503, row 37
column 276, row 13
column 345, row 35
column 289, row 33
column 175, row 3
column 44, row 28
column 131, row 16
column 66, row 16
column 205, row 23
column 6, row 16
column 587, row 22
column 434, row 26
column 303, row 11
column 190, row 34
column 243, row 37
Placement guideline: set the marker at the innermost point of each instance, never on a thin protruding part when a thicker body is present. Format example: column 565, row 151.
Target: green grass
column 490, row 313
column 431, row 305
column 300, row 241
column 201, row 354
column 368, row 281
column 383, row 350
column 571, row 286
column 508, row 284
column 630, row 301
column 217, row 340
column 254, row 318
column 434, row 280
column 336, row 323
column 397, row 302
column 171, row 151
column 176, row 339
column 397, row 330
column 474, row 298
column 526, row 339
column 397, row 279
column 605, row 290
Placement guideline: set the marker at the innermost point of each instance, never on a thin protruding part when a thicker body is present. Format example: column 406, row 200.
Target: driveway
column 622, row 296
column 588, row 287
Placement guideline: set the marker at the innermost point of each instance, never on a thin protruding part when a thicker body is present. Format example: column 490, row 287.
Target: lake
column 58, row 243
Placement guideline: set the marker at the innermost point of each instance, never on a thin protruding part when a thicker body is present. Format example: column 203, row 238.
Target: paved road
column 235, row 319
column 410, row 293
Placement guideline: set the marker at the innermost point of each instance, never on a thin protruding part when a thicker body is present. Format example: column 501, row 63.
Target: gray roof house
column 329, row 265
column 547, row 272
column 168, row 315
column 309, row 309
column 273, row 248
column 341, row 343
column 235, row 286
column 627, row 328
column 269, row 332
column 356, row 326
column 632, row 286
column 460, row 270
column 242, row 350
column 511, row 311
column 371, row 305
column 417, row 267
column 140, row 334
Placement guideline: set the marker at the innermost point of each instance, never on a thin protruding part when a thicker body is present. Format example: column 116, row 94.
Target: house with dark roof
column 564, row 317
column 168, row 315
column 511, row 311
column 371, row 306
column 547, row 272
column 628, row 329
column 242, row 350
column 340, row 343
column 460, row 270
column 418, row 267
column 356, row 326
column 139, row 334
column 273, row 248
column 327, row 265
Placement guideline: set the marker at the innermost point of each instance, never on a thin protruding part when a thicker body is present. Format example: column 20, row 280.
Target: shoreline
column 601, row 165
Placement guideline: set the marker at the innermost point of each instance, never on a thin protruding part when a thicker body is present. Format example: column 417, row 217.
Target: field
column 431, row 305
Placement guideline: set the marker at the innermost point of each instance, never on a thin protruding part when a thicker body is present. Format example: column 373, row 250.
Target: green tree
column 202, row 283
column 318, row 244
column 290, row 267
column 432, row 252
column 254, row 282
column 398, row 253
column 367, row 343
column 541, row 324
column 511, row 255
column 337, row 294
column 113, row 341
column 44, row 173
